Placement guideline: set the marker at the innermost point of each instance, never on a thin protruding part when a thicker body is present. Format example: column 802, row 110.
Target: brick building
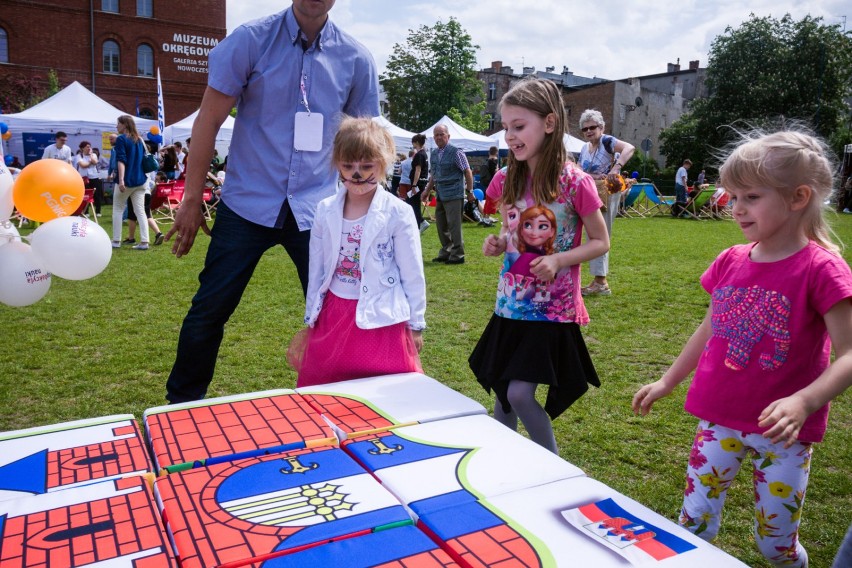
column 499, row 78
column 114, row 48
column 634, row 109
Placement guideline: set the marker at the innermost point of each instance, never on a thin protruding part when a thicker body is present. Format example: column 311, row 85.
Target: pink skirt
column 336, row 349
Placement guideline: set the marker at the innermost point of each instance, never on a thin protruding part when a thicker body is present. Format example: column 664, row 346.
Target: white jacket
column 393, row 285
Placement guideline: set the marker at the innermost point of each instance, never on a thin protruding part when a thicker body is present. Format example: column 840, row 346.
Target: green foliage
column 474, row 120
column 679, row 141
column 646, row 166
column 52, row 83
column 106, row 345
column 432, row 72
column 761, row 74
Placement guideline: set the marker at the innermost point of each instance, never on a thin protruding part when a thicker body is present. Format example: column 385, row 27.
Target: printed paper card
column 247, row 509
column 379, row 403
column 633, row 537
column 61, row 456
column 112, row 523
column 234, row 427
column 439, row 464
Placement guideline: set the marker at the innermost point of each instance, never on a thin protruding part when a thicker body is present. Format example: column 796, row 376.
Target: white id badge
column 308, row 136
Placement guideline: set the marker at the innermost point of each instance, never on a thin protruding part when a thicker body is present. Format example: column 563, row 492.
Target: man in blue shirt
column 291, row 75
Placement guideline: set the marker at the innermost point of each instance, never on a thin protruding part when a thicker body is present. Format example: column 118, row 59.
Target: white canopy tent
column 572, row 143
column 181, row 130
column 401, row 136
column 75, row 110
column 460, row 137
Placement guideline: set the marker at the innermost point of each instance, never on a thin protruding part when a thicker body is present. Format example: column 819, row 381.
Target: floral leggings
column 780, row 480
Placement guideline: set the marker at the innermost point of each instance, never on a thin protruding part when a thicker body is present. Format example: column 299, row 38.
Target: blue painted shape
column 362, row 551
column 27, row 474
column 402, row 451
column 463, row 519
column 438, row 502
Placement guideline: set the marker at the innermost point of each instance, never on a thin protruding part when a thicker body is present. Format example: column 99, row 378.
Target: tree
column 19, row 92
column 761, row 73
column 475, row 120
column 432, row 72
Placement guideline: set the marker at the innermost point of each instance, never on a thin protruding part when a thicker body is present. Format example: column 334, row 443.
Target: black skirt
column 543, row 352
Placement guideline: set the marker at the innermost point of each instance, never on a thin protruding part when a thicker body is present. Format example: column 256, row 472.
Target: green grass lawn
column 105, row 346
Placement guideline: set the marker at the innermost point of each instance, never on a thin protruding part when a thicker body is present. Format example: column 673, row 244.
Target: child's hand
column 645, row 397
column 418, row 339
column 493, row 245
column 786, row 416
column 544, row 268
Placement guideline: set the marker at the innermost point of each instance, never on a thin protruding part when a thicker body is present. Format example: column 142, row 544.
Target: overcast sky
column 600, row 38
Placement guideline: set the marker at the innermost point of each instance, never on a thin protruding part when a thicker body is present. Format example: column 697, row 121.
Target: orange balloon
column 47, row 189
column 155, row 130
column 6, row 135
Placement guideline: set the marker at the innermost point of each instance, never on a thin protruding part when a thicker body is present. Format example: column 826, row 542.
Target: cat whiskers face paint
column 358, row 177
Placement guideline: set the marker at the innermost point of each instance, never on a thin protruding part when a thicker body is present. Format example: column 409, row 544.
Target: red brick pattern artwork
column 349, row 415
column 194, row 434
column 195, row 528
column 124, row 524
column 98, row 461
column 498, row 546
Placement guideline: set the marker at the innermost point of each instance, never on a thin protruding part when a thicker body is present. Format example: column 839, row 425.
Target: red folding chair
column 88, row 203
column 176, row 197
column 160, row 202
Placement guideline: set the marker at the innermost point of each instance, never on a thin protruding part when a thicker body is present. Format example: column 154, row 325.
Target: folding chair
column 208, row 202
column 719, row 205
column 176, row 196
column 161, row 208
column 88, row 204
column 630, row 205
column 693, row 206
column 655, row 202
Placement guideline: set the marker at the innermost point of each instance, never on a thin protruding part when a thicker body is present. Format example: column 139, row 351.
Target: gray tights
column 521, row 395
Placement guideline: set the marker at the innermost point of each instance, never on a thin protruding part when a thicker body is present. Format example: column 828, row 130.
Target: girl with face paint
column 366, row 299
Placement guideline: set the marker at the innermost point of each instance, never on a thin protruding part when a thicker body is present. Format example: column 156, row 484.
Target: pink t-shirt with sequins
column 520, row 295
column 769, row 336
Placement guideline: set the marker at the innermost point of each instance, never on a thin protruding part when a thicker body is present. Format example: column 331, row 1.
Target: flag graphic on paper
column 628, row 535
column 161, row 115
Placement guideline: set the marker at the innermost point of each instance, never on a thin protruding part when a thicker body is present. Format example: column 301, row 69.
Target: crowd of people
column 122, row 181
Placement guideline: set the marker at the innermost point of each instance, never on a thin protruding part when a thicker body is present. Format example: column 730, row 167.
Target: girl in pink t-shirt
column 533, row 338
column 763, row 376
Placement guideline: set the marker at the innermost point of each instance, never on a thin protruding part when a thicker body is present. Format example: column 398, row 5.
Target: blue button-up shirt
column 262, row 63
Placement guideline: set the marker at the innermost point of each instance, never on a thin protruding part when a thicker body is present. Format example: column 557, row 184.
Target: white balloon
column 8, row 233
column 23, row 278
column 72, row 247
column 6, row 183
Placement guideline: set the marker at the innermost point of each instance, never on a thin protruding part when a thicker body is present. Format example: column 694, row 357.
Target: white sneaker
column 116, row 245
column 424, row 225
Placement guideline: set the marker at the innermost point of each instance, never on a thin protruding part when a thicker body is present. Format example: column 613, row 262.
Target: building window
column 109, row 6
column 145, row 112
column 490, row 121
column 492, row 91
column 4, row 46
column 111, row 57
column 145, row 61
column 145, row 8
